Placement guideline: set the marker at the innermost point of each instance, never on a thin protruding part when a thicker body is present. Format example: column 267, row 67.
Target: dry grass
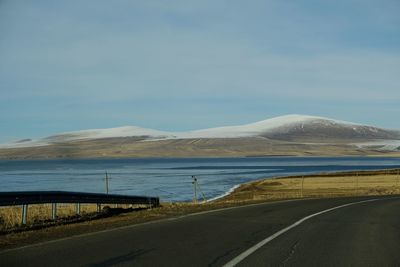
column 317, row 186
column 12, row 216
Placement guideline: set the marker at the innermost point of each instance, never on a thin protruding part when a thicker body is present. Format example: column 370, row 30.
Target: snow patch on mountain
column 125, row 131
column 25, row 143
column 257, row 128
column 382, row 145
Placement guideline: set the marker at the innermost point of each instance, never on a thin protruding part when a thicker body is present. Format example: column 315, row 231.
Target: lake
column 168, row 178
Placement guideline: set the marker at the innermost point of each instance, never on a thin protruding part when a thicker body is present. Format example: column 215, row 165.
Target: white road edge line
column 251, row 250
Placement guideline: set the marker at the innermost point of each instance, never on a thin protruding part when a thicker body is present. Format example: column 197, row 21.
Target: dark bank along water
column 170, row 179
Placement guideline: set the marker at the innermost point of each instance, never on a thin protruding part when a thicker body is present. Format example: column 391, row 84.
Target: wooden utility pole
column 106, row 182
column 196, row 189
column 194, row 182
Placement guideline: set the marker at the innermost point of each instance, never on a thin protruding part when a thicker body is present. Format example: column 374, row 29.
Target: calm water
column 170, row 179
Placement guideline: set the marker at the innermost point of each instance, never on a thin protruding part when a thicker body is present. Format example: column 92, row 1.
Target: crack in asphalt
column 290, row 254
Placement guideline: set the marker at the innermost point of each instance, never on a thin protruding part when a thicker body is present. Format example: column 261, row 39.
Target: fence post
column 24, row 213
column 78, row 208
column 53, row 211
column 98, row 207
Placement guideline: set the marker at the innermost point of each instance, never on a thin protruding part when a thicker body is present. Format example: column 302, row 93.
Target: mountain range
column 284, row 135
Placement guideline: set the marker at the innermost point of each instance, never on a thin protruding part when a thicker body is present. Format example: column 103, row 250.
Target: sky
column 186, row 65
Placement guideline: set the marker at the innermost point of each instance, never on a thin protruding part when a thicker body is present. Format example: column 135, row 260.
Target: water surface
column 170, row 179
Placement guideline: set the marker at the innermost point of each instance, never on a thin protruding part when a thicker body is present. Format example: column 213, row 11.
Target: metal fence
column 25, row 198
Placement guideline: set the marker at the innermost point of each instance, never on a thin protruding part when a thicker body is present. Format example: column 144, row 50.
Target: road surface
column 361, row 234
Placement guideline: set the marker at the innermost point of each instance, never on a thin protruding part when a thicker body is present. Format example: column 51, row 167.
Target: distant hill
column 284, row 135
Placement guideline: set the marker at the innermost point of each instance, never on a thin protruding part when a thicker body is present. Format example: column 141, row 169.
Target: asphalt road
column 364, row 234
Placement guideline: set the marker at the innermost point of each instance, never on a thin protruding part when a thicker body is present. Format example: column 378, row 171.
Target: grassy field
column 319, row 186
column 11, row 217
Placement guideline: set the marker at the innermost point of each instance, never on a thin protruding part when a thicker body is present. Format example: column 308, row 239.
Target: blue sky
column 181, row 65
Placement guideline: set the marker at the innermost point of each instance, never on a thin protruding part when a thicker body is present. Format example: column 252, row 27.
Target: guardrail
column 26, row 198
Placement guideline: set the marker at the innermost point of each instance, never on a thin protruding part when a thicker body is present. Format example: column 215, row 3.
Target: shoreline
column 387, row 154
column 227, row 193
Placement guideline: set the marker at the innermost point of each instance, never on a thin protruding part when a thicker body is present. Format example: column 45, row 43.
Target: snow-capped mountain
column 293, row 128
